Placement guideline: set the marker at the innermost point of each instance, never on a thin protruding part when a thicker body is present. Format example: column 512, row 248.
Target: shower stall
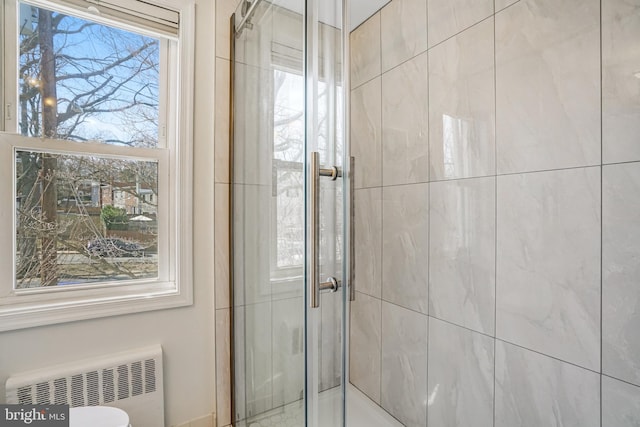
column 291, row 214
column 492, row 242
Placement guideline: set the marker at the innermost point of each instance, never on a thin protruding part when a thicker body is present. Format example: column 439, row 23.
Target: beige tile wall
column 532, row 189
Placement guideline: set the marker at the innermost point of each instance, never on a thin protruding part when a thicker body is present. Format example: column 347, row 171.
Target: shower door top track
column 248, row 13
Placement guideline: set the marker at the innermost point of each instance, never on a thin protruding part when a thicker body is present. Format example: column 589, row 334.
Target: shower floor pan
column 361, row 412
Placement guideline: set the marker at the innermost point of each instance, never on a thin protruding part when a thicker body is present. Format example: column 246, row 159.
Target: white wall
column 186, row 334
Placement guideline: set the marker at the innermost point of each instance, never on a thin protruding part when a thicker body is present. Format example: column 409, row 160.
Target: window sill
column 26, row 311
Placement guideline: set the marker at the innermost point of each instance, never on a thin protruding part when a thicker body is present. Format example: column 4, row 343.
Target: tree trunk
column 27, row 187
column 49, row 200
column 28, row 260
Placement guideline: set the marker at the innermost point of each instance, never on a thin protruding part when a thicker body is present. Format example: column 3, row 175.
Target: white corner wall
column 186, row 334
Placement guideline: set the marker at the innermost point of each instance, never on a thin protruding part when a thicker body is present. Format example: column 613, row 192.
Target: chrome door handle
column 352, row 232
column 332, row 284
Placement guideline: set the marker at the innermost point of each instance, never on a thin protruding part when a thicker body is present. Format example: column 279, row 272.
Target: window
column 287, row 206
column 97, row 135
column 287, row 216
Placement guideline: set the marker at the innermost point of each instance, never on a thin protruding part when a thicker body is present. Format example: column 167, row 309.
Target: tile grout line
column 621, row 380
column 381, row 210
column 467, row 28
column 601, row 214
column 508, row 6
column 495, row 213
column 495, row 175
column 556, row 358
column 466, row 328
column 428, row 135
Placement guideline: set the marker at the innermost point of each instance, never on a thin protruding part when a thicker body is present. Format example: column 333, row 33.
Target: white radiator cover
column 131, row 381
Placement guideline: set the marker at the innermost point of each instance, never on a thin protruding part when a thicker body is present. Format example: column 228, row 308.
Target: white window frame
column 23, row 308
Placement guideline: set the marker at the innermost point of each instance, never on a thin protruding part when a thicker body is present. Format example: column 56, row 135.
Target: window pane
column 289, row 218
column 84, row 219
column 84, row 81
column 288, row 156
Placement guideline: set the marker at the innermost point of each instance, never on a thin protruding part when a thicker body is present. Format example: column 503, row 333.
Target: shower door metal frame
column 232, row 76
column 312, row 173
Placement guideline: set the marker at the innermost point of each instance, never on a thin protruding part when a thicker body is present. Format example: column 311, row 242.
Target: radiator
column 131, row 381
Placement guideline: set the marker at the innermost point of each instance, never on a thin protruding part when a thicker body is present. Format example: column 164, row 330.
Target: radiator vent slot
column 60, row 393
column 93, row 389
column 128, row 381
column 150, row 375
column 108, row 392
column 42, row 393
column 77, row 391
column 136, row 379
column 24, row 396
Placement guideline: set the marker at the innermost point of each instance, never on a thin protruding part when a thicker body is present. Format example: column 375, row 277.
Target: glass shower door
column 326, row 297
column 288, row 357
